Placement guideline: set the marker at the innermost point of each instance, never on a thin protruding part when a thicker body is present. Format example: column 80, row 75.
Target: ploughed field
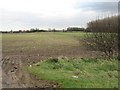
column 32, row 47
column 22, row 50
column 43, row 44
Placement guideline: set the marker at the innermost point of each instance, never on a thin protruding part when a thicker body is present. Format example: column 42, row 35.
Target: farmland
column 44, row 44
column 23, row 50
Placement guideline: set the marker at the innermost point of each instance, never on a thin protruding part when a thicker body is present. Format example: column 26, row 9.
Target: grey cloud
column 100, row 6
column 18, row 20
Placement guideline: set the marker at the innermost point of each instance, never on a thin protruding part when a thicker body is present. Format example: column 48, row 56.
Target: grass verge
column 78, row 73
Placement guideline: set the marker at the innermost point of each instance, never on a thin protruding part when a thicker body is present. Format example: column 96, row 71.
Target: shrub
column 104, row 42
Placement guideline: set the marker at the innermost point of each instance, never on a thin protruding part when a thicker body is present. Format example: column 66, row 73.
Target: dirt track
column 15, row 77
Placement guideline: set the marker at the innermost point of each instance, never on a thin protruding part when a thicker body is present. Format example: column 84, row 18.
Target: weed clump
column 51, row 59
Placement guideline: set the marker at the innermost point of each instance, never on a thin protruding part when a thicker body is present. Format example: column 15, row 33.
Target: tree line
column 32, row 30
column 109, row 24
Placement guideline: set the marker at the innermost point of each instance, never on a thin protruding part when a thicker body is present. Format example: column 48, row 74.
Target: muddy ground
column 14, row 75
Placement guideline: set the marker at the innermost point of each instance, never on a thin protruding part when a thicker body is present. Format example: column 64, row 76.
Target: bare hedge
column 103, row 36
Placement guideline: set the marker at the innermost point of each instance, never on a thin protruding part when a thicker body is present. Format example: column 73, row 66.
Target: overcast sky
column 59, row 14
